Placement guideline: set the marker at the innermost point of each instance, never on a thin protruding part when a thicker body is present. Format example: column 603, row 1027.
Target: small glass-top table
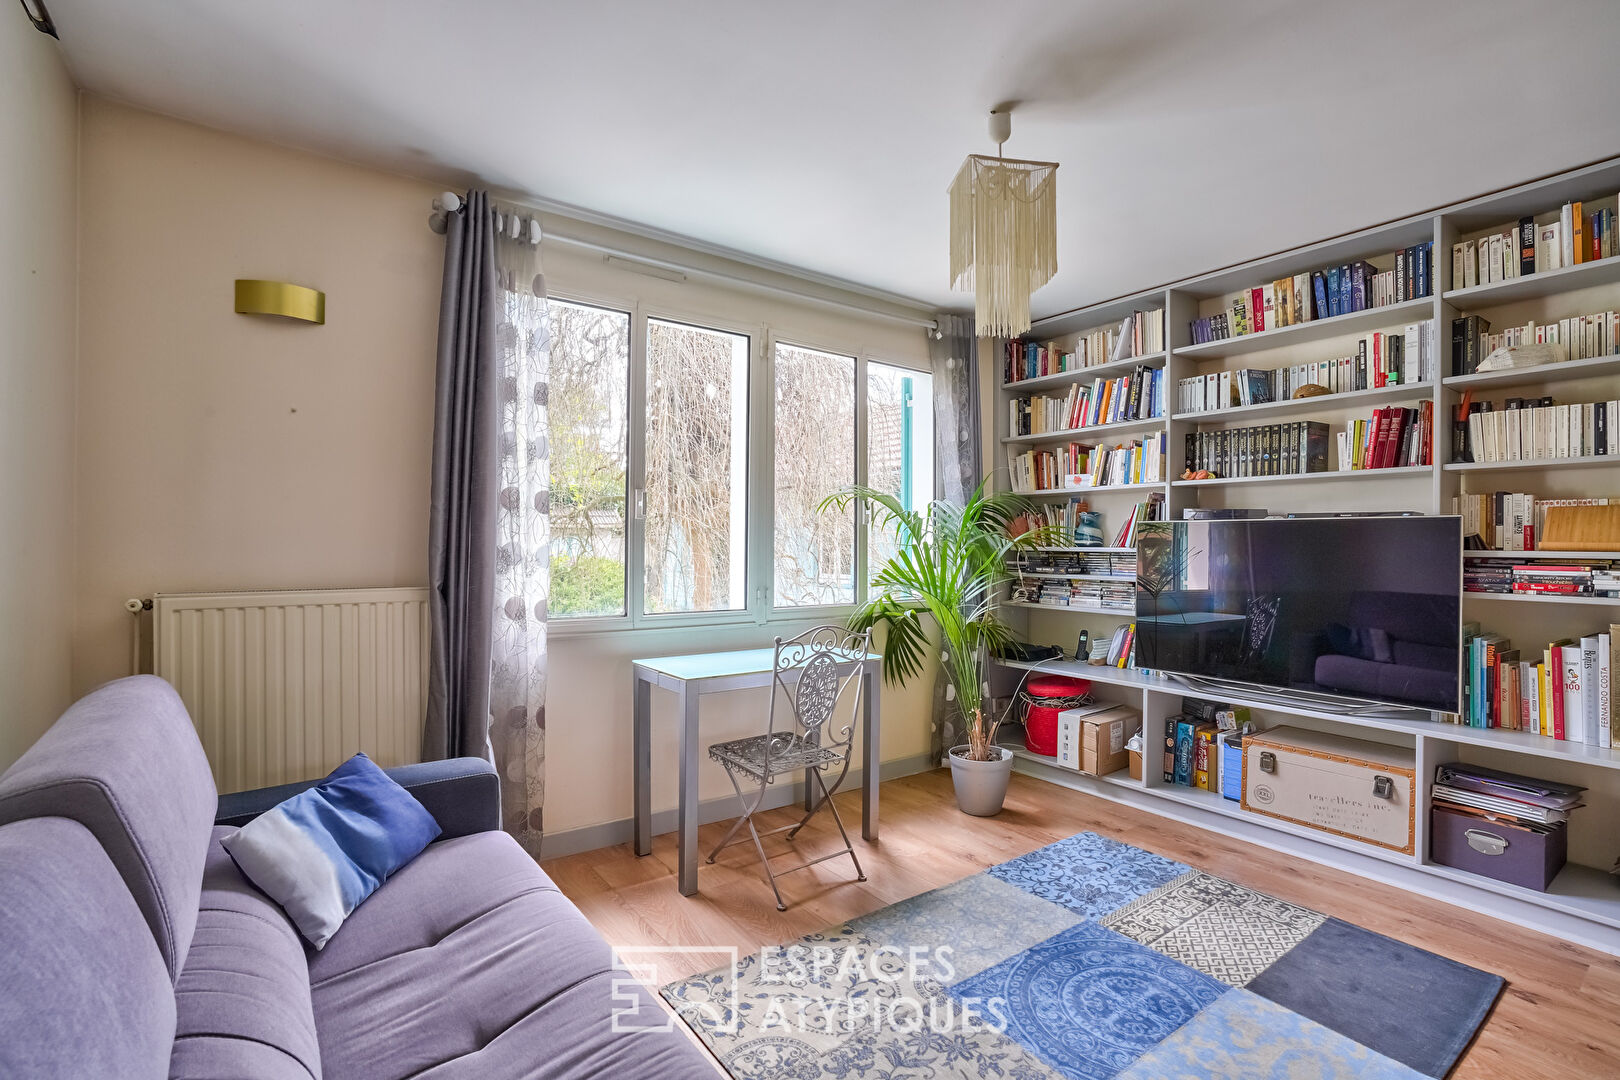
column 689, row 678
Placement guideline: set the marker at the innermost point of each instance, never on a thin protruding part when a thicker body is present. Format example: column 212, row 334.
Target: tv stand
column 1583, row 904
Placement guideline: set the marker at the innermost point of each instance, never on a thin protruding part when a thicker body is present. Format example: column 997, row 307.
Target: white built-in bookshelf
column 1583, row 903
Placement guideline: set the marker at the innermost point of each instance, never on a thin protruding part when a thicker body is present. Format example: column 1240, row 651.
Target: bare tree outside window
column 696, row 468
column 815, row 456
column 589, row 433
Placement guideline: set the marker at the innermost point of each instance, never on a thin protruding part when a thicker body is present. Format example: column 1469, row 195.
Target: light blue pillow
column 323, row 851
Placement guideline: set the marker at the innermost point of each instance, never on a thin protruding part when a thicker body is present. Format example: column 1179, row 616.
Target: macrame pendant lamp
column 1003, row 233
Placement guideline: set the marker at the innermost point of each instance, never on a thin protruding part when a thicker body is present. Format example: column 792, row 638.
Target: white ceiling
column 1192, row 134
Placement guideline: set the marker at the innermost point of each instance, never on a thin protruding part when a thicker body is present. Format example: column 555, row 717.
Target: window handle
column 639, row 510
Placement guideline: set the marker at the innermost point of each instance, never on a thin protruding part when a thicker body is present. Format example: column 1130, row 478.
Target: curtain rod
column 734, row 279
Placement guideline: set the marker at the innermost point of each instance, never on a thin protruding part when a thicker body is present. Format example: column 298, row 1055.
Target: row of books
column 1120, row 564
column 1117, row 650
column 1581, row 337
column 1381, row 359
column 1533, row 429
column 1577, row 577
column 1137, row 396
column 1562, row 692
column 1139, row 334
column 1150, row 509
column 1567, row 237
column 1321, row 294
column 1393, row 438
column 1507, row 520
column 1265, row 450
column 1081, row 465
column 1192, row 742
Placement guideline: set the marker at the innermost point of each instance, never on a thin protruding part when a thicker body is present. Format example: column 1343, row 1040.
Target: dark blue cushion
column 320, row 853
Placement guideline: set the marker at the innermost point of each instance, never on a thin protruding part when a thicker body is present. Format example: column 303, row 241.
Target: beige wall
column 38, row 246
column 219, row 451
column 222, row 451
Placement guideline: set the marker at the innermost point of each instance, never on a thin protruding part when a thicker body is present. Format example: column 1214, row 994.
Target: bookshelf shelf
column 1086, row 374
column 1317, row 330
column 1484, row 553
column 1342, row 474
column 1216, row 803
column 1533, row 463
column 1096, row 550
column 1518, row 742
column 1064, row 493
column 1073, row 609
column 1527, row 598
column 1531, row 376
column 1578, row 890
column 1097, row 673
column 1347, row 400
column 1073, row 577
column 1122, row 427
column 1546, row 283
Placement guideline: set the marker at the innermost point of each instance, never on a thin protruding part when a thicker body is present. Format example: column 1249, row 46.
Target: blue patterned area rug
column 1089, row 959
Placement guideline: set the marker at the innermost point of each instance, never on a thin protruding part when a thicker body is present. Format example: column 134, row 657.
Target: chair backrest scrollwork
column 816, row 673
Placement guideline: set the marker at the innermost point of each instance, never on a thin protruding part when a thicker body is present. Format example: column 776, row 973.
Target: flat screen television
column 1365, row 609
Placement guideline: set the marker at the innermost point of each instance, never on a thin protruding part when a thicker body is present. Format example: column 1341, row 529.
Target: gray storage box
column 1504, row 852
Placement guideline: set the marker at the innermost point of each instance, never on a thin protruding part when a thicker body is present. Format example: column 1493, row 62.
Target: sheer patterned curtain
column 954, row 357
column 517, row 685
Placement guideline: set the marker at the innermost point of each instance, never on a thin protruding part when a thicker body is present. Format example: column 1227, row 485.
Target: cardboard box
column 1136, row 764
column 1069, row 733
column 1102, row 739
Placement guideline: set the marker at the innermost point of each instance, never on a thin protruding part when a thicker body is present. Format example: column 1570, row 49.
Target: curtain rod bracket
column 43, row 21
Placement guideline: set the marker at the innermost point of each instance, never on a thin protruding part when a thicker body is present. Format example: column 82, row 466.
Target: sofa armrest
column 462, row 794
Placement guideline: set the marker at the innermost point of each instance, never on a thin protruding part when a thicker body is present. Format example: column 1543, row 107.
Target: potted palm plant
column 947, row 564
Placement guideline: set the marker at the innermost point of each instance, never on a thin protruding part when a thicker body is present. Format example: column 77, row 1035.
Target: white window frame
column 760, row 507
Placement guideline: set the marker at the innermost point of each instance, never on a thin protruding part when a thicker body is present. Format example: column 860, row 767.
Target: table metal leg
column 871, row 764
column 809, row 780
column 688, row 727
column 641, row 752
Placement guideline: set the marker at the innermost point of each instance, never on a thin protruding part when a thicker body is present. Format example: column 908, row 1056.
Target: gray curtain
column 954, row 356
column 463, row 511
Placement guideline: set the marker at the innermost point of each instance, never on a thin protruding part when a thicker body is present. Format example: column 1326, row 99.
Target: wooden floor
column 1558, row 1018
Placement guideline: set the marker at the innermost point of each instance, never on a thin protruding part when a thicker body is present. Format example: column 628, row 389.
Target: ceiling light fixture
column 1003, row 233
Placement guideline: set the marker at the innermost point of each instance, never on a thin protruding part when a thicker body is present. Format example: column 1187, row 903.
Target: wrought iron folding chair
column 814, row 673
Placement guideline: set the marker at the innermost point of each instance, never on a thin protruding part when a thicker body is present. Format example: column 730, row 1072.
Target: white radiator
column 287, row 685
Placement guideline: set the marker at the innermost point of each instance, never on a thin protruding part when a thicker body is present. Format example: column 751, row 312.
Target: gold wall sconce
column 280, row 298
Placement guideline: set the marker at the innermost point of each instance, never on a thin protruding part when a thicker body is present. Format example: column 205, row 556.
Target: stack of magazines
column 1537, row 805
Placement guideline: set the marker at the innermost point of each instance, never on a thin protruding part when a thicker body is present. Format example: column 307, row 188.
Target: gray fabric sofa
column 134, row 948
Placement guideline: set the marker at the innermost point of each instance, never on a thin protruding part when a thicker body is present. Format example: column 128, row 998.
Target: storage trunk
column 1348, row 787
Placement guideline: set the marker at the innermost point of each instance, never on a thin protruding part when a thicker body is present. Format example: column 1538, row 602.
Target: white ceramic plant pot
column 981, row 786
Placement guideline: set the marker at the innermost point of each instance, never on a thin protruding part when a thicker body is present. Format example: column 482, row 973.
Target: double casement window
column 689, row 462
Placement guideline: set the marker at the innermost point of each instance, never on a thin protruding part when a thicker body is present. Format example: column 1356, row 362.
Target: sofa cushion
column 323, row 851
column 469, row 962
column 125, row 762
column 243, row 995
column 85, row 990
